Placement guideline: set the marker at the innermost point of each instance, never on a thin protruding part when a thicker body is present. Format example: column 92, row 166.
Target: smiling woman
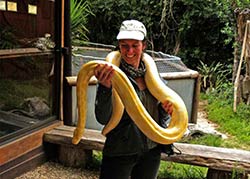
column 131, row 136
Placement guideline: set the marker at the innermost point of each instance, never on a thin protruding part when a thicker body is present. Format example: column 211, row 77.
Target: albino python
column 125, row 95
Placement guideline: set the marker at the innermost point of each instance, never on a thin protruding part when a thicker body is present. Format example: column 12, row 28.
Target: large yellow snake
column 125, row 95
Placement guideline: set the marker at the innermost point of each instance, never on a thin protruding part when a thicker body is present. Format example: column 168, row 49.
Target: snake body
column 125, row 95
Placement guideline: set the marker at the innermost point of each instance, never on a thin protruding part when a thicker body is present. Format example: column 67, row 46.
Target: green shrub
column 7, row 38
column 79, row 12
column 181, row 171
column 235, row 124
column 193, row 30
column 214, row 76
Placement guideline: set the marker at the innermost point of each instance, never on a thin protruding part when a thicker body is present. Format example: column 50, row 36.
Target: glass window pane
column 26, row 85
column 32, row 9
column 2, row 5
column 12, row 6
column 22, row 29
column 26, row 68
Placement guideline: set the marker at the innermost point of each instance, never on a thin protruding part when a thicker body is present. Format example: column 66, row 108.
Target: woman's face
column 131, row 51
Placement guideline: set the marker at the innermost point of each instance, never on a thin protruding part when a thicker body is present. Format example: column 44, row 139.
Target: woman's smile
column 131, row 51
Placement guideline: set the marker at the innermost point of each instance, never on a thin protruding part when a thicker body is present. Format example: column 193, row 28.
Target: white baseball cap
column 132, row 29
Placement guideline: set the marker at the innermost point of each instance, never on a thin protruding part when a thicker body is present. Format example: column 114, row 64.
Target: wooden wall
column 30, row 25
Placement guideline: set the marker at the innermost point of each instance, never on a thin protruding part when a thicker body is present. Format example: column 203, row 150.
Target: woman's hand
column 104, row 74
column 168, row 107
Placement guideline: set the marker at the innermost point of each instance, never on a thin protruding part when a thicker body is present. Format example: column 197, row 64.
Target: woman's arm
column 164, row 117
column 103, row 102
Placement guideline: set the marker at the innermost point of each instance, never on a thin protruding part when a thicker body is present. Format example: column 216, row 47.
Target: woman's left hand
column 168, row 107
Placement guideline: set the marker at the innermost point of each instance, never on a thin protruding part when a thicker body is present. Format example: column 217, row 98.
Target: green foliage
column 7, row 38
column 236, row 124
column 109, row 15
column 95, row 162
column 203, row 32
column 79, row 11
column 181, row 171
column 193, row 30
column 209, row 140
column 214, row 76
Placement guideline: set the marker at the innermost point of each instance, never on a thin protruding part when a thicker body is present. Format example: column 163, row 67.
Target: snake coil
column 125, row 95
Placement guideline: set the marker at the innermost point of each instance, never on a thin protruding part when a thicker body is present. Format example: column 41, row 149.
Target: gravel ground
column 52, row 170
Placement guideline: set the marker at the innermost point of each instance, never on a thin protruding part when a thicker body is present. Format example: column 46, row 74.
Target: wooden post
column 219, row 174
column 74, row 156
column 237, row 79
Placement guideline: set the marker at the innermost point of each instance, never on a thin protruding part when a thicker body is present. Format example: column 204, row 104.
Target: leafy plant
column 193, row 30
column 213, row 76
column 79, row 11
column 109, row 15
column 181, row 171
column 7, row 38
column 235, row 124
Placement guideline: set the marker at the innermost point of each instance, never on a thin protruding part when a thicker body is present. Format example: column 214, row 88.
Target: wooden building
column 29, row 18
column 31, row 73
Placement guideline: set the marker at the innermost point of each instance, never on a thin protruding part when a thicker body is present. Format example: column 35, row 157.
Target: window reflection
column 32, row 9
column 25, row 92
column 2, row 5
column 26, row 65
column 12, row 6
column 22, row 29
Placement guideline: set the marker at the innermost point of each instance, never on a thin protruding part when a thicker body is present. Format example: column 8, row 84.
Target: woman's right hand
column 104, row 74
column 168, row 107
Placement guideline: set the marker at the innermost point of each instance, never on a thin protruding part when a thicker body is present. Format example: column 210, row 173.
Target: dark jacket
column 126, row 138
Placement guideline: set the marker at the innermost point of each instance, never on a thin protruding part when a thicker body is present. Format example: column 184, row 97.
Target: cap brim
column 130, row 35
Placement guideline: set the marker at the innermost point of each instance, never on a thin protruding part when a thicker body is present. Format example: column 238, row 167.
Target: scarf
column 131, row 71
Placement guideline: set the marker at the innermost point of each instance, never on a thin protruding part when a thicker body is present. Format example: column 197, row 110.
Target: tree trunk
column 242, row 22
column 217, row 174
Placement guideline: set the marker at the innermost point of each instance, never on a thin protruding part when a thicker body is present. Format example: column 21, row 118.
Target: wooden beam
column 72, row 80
column 190, row 74
column 24, row 163
column 62, row 135
column 95, row 48
column 218, row 158
column 21, row 146
column 20, row 52
column 196, row 99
